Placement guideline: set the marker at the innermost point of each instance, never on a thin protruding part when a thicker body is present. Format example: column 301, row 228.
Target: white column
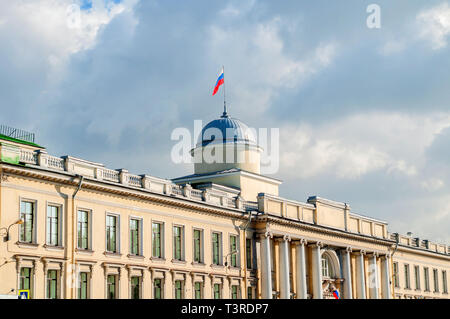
column 386, row 277
column 360, row 280
column 316, row 262
column 285, row 285
column 346, row 267
column 301, row 269
column 266, row 271
column 373, row 277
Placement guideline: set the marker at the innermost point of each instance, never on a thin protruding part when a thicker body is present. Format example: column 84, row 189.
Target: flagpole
column 224, row 100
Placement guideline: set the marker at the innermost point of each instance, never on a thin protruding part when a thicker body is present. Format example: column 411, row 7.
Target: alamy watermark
column 241, row 145
column 374, row 19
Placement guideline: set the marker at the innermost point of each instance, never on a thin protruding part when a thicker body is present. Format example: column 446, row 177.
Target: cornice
column 324, row 229
column 418, row 250
column 124, row 190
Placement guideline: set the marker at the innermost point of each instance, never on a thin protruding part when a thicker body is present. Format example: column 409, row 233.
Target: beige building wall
column 329, row 232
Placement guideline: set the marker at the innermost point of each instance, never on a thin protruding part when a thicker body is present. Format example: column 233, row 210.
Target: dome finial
column 224, row 114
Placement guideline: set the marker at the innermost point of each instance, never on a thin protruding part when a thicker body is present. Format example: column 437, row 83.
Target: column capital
column 266, row 234
column 362, row 252
column 283, row 238
column 300, row 241
column 348, row 249
column 316, row 244
column 386, row 256
column 372, row 254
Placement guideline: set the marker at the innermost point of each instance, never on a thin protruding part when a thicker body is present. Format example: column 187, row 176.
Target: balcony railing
column 97, row 171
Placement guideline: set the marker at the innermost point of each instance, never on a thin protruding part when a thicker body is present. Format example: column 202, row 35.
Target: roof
column 222, row 173
column 15, row 140
column 226, row 130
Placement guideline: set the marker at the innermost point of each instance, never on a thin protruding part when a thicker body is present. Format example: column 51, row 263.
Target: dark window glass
column 27, row 227
column 111, row 233
column 52, row 284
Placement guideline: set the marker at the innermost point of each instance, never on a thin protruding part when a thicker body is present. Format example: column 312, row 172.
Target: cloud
column 58, row 29
column 371, row 129
column 237, row 8
column 269, row 66
column 392, row 47
column 435, row 25
column 432, row 184
column 356, row 145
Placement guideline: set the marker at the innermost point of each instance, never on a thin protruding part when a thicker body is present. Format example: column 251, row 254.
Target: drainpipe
column 245, row 293
column 397, row 240
column 74, row 230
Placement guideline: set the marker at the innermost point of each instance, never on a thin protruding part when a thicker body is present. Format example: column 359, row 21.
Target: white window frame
column 88, row 288
column 202, row 245
column 140, row 286
column 163, row 232
column 444, row 282
column 238, row 257
column 220, row 248
column 35, row 216
column 141, row 234
column 60, row 223
column 183, row 242
column 436, row 279
column 417, row 277
column 426, row 275
column 118, row 232
column 90, row 220
column 58, row 283
column 407, row 273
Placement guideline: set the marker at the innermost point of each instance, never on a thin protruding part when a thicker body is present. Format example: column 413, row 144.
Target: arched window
column 327, row 268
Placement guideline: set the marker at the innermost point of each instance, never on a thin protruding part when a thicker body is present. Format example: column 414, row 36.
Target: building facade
column 72, row 228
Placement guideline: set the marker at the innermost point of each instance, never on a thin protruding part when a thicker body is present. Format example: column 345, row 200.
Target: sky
column 363, row 113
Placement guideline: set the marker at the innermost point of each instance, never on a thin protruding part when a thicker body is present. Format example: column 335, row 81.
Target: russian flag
column 336, row 294
column 220, row 81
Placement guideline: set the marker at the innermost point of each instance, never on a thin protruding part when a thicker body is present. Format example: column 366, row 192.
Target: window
column 135, row 283
column 198, row 246
column 53, row 223
column 326, row 268
column 27, row 227
column 83, row 229
column 178, row 289
column 396, row 281
column 235, row 292
column 248, row 251
column 216, row 244
column 436, row 280
column 249, row 293
column 135, row 236
column 427, row 279
column 157, row 289
column 233, row 250
column 444, row 282
column 217, row 291
column 157, row 240
column 83, row 286
column 52, row 284
column 25, row 279
column 111, row 233
column 417, row 276
column 178, row 242
column 111, row 287
column 198, row 290
column 407, row 282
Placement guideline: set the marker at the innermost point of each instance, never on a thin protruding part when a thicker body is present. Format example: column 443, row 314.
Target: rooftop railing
column 17, row 133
